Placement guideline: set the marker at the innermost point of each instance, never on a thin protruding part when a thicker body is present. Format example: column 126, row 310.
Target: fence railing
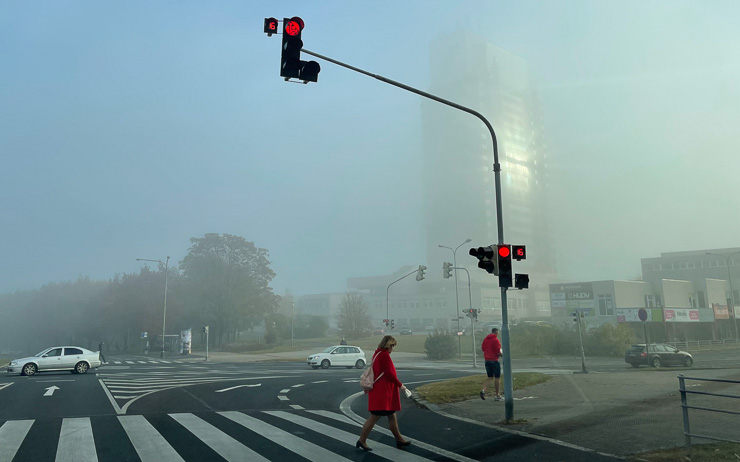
column 700, row 344
column 685, row 408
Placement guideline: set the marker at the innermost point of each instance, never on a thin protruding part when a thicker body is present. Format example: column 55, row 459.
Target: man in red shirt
column 491, row 352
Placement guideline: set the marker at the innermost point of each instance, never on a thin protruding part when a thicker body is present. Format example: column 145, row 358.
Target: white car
column 339, row 356
column 63, row 358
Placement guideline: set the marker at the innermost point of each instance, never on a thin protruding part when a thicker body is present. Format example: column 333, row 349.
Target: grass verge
column 714, row 452
column 465, row 388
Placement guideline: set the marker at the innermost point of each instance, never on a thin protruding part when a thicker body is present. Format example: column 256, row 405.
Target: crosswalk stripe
column 11, row 436
column 226, row 446
column 147, row 441
column 289, row 441
column 117, row 362
column 130, row 362
column 382, row 450
column 76, row 441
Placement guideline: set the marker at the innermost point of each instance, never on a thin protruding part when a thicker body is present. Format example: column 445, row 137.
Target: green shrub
column 608, row 340
column 440, row 345
column 535, row 340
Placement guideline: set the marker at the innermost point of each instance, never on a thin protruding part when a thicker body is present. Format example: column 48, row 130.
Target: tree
column 228, row 279
column 353, row 320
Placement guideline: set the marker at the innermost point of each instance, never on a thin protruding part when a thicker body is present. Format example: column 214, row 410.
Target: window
column 606, row 305
column 72, row 351
column 54, row 352
column 702, row 300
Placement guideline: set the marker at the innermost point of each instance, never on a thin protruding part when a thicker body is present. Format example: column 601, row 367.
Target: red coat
column 385, row 393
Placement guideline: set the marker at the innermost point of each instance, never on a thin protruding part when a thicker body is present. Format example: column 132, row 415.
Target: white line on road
column 238, row 386
column 226, row 446
column 297, row 406
column 147, row 441
column 76, row 441
column 320, row 381
column 5, row 385
column 286, row 390
column 54, row 381
column 283, row 398
column 296, row 386
column 285, row 439
column 12, row 434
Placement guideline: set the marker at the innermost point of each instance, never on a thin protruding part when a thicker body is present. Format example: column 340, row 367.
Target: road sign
column 642, row 314
column 144, row 335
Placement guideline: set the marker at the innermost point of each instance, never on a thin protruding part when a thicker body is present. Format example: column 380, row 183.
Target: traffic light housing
column 393, row 324
column 386, row 322
column 505, row 276
column 446, row 270
column 521, row 281
column 519, row 252
column 420, row 273
column 291, row 66
column 271, row 26
column 486, row 258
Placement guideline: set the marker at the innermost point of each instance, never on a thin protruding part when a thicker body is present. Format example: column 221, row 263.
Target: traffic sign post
column 642, row 314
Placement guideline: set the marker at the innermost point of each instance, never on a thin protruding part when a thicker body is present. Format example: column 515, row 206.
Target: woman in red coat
column 383, row 399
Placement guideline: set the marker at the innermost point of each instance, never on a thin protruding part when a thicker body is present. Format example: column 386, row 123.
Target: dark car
column 659, row 355
column 406, row 331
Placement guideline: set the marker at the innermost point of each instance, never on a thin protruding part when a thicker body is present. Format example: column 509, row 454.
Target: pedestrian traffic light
column 393, row 324
column 486, row 258
column 521, row 281
column 420, row 273
column 385, row 321
column 504, row 265
column 446, row 270
column 205, row 329
column 519, row 252
column 271, row 26
column 291, row 66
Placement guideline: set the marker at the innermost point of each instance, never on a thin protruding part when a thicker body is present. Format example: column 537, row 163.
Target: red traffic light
column 271, row 26
column 504, row 251
column 294, row 26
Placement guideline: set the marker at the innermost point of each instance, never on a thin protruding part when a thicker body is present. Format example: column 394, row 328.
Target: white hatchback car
column 339, row 356
column 67, row 358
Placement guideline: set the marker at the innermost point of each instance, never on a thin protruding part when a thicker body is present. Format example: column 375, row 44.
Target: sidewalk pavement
column 619, row 413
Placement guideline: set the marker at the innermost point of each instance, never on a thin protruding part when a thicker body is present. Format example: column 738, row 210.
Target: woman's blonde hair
column 387, row 342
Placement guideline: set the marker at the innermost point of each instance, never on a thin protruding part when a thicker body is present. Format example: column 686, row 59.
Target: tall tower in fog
column 459, row 185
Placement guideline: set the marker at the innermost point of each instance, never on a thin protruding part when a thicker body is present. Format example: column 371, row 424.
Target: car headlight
column 13, row 363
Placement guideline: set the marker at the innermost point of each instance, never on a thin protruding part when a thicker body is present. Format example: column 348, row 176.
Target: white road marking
column 226, row 446
column 50, row 391
column 296, row 386
column 147, row 441
column 5, row 385
column 379, row 449
column 283, row 398
column 238, row 386
column 297, row 406
column 287, row 440
column 320, row 381
column 76, row 441
column 12, row 434
column 285, row 390
column 130, row 362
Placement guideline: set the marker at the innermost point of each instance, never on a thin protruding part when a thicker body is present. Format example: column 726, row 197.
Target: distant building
column 459, row 187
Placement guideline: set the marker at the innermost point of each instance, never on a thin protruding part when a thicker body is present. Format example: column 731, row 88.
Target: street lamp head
column 467, row 240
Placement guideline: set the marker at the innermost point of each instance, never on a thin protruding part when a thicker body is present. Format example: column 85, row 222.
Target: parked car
column 338, row 356
column 659, row 355
column 406, row 331
column 64, row 358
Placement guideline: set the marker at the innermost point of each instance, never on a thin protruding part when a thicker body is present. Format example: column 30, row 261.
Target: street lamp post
column 457, row 303
column 166, row 264
column 732, row 292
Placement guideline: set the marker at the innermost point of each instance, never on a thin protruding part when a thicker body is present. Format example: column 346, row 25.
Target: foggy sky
column 128, row 128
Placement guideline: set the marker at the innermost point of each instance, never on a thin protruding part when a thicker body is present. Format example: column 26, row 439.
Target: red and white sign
column 681, row 315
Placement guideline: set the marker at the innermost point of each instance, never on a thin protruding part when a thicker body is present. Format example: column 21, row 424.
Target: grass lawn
column 714, row 452
column 465, row 388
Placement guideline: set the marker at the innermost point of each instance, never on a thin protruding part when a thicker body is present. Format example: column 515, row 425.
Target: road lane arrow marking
column 238, row 386
column 50, row 390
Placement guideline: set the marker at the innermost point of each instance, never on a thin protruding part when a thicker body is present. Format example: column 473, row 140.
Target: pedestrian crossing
column 231, row 436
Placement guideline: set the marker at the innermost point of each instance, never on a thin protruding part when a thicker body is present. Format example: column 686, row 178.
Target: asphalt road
column 140, row 409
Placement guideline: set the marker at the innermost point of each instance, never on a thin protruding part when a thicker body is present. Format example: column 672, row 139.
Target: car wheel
column 29, row 369
column 360, row 364
column 688, row 361
column 81, row 367
column 655, row 362
column 635, row 365
column 325, row 364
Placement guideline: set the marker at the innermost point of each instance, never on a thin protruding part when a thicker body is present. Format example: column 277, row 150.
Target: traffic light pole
column 508, row 378
column 387, row 291
column 472, row 327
